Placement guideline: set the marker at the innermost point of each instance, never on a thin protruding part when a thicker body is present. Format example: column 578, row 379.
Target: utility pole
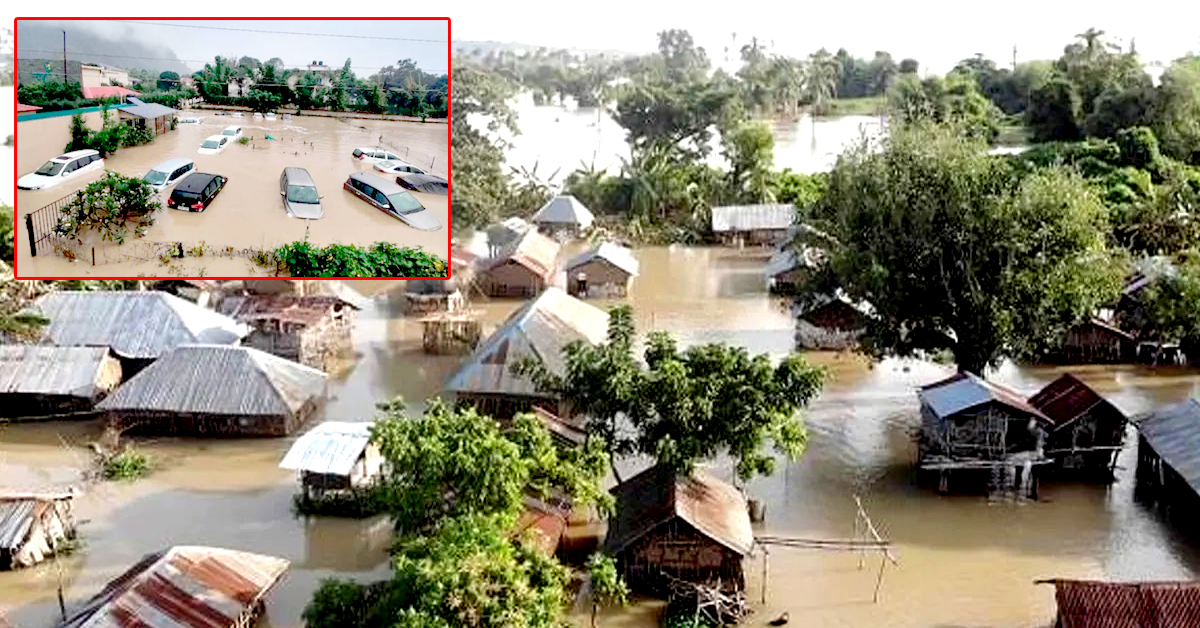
column 1014, row 58
column 66, row 76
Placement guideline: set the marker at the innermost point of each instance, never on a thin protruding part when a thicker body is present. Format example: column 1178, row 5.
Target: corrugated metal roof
column 332, row 447
column 17, row 514
column 540, row 329
column 286, row 308
column 532, row 250
column 217, row 379
column 1066, row 399
column 148, row 109
column 963, row 391
column 1174, row 433
column 657, row 495
column 753, row 217
column 789, row 259
column 135, row 324
column 1093, row 604
column 613, row 253
column 183, row 587
column 46, row 370
column 564, row 209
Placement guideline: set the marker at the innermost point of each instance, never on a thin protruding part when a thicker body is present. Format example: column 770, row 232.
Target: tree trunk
column 594, row 606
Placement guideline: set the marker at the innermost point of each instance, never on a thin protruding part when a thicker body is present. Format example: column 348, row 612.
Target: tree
column 821, row 79
column 479, row 179
column 1176, row 117
column 682, row 407
column 6, row 234
column 953, row 252
column 909, row 66
column 678, row 117
column 608, row 588
column 262, row 102
column 1053, row 112
column 341, row 88
column 168, row 80
column 1170, row 303
column 749, row 149
column 448, row 463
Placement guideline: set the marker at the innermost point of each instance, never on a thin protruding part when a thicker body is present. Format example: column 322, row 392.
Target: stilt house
column 602, row 272
column 767, row 224
column 335, row 456
column 1094, row 604
column 1085, row 432
column 563, row 217
column 1168, row 468
column 525, row 268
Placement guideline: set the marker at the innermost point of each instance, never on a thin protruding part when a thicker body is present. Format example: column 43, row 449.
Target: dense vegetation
column 112, row 136
column 60, row 96
column 382, row 259
column 110, row 206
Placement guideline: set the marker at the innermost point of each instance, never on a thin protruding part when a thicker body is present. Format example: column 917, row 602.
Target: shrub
column 382, row 259
column 110, row 206
column 126, row 465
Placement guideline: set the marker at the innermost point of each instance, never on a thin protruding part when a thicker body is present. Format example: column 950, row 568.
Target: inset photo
column 232, row 148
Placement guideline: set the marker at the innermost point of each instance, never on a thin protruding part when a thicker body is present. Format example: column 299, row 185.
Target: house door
column 579, row 285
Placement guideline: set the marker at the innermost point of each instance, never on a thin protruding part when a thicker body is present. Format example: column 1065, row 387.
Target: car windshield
column 155, row 177
column 405, row 203
column 50, row 168
column 211, row 144
column 302, row 194
column 229, row 132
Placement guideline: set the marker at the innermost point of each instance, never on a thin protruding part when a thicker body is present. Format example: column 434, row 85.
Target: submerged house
column 540, row 330
column 33, row 526
column 1086, row 432
column 138, row 326
column 602, row 272
column 202, row 292
column 971, row 425
column 1168, row 467
column 185, row 586
column 504, row 233
column 335, row 456
column 563, row 217
column 1097, row 342
column 1095, row 604
column 39, row 380
column 524, row 269
column 693, row 528
column 310, row 329
column 766, row 224
column 426, row 296
column 831, row 322
column 214, row 390
column 147, row 116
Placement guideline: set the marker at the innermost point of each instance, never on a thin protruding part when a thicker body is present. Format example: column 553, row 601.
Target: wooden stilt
column 764, row 576
column 879, row 579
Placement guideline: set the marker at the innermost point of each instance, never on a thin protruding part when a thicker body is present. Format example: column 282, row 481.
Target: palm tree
column 820, row 80
column 787, row 79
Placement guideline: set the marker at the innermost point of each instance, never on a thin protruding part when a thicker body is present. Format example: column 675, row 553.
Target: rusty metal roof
column 543, row 524
column 215, row 379
column 657, row 495
column 772, row 216
column 284, row 308
column 1174, row 433
column 963, row 391
column 564, row 209
column 332, row 447
column 183, row 587
column 47, row 370
column 532, row 250
column 541, row 329
column 1094, row 604
column 1066, row 399
column 135, row 324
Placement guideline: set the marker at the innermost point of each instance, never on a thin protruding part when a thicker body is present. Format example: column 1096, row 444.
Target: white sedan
column 397, row 166
column 214, row 144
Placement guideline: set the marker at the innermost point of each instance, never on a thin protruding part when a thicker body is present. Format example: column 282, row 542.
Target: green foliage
column 1171, row 305
column 1053, row 112
column 53, row 95
column 168, row 80
column 382, row 259
column 800, row 189
column 684, row 406
column 479, row 178
column 955, row 100
column 1177, row 112
column 749, row 149
column 128, row 464
column 682, row 614
column 110, row 206
column 954, row 252
column 357, row 504
column 7, row 223
column 608, row 588
column 449, row 463
column 263, row 102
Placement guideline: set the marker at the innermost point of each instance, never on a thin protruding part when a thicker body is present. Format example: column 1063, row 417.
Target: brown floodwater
column 964, row 560
column 248, row 213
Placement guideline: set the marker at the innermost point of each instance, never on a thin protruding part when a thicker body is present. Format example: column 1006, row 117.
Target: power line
column 286, row 65
column 250, row 30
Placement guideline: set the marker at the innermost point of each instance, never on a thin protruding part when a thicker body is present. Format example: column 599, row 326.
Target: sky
column 938, row 34
column 370, row 44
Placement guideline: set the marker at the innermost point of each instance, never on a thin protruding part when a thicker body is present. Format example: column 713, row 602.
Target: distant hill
column 466, row 46
column 44, row 40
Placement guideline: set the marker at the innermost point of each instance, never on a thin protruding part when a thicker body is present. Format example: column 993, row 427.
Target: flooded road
column 249, row 212
column 964, row 561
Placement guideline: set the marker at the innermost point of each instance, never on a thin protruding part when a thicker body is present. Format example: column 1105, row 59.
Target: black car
column 196, row 191
column 427, row 183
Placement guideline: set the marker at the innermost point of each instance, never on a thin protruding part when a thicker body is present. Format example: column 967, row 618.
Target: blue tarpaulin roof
column 965, row 390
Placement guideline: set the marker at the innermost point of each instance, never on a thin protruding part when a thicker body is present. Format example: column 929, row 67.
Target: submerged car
column 299, row 192
column 190, row 120
column 392, row 200
column 163, row 175
column 61, row 168
column 397, row 166
column 196, row 192
column 232, row 131
column 270, row 117
column 374, row 155
column 214, row 144
column 427, row 183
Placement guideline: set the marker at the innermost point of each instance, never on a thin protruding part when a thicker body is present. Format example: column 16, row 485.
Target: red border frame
column 449, row 160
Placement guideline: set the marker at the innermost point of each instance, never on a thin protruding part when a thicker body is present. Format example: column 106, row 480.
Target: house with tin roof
column 563, row 217
column 604, row 271
column 763, row 224
column 523, row 269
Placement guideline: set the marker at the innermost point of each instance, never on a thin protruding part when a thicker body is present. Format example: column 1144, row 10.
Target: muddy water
column 964, row 561
column 7, row 157
column 249, row 212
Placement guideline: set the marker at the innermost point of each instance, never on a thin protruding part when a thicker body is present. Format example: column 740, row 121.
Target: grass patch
column 127, row 465
column 869, row 106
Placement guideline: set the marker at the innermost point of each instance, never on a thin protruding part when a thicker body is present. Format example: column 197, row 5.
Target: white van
column 61, row 168
column 168, row 172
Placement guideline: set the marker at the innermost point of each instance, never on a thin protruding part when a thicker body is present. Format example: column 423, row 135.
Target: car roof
column 365, row 148
column 397, row 162
column 233, row 126
column 74, row 155
column 379, row 183
column 195, row 182
column 216, row 137
column 172, row 164
column 298, row 176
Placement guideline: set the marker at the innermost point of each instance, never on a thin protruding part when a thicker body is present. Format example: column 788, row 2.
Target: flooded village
column 161, row 437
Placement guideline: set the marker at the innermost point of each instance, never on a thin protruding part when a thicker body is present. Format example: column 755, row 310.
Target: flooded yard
column 248, row 213
column 964, row 560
